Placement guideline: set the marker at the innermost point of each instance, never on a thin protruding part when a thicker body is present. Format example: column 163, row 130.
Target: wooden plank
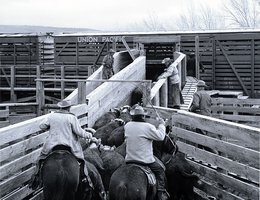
column 235, row 101
column 227, row 164
column 20, row 130
column 4, row 113
column 90, row 86
column 11, row 151
column 19, row 194
column 110, row 91
column 250, row 191
column 16, row 165
column 240, row 118
column 15, row 182
column 215, row 108
column 155, row 89
column 233, row 68
column 211, row 190
column 237, row 153
column 248, row 136
column 156, row 39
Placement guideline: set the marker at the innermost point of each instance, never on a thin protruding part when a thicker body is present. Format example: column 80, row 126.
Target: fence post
column 12, row 94
column 164, row 94
column 156, row 99
column 62, row 71
column 40, row 98
column 82, row 92
column 146, row 90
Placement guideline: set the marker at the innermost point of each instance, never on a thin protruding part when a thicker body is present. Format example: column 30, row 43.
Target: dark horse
column 61, row 178
column 129, row 182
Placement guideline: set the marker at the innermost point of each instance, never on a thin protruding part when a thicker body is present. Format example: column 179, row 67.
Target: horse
column 130, row 182
column 61, row 178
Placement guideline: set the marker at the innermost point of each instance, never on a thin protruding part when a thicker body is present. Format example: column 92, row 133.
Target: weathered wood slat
column 19, row 194
column 237, row 153
column 14, row 166
column 211, row 190
column 227, row 164
column 248, row 136
column 236, row 109
column 250, row 191
column 15, row 182
column 20, row 130
column 109, row 94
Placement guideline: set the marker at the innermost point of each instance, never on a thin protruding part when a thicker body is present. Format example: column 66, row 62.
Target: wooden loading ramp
column 188, row 91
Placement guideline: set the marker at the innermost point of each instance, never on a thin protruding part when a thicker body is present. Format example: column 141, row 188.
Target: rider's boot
column 163, row 194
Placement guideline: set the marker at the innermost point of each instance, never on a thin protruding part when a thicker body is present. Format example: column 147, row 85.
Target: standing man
column 174, row 87
column 139, row 137
column 201, row 100
column 108, row 65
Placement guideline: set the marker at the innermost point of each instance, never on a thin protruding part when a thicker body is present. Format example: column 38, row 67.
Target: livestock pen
column 233, row 173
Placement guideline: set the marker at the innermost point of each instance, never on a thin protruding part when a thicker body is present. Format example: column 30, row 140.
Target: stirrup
column 164, row 191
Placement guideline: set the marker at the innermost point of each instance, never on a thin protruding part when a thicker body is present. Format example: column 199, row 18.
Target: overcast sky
column 95, row 14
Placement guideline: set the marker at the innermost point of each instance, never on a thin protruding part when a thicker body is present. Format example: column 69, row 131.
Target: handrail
column 159, row 84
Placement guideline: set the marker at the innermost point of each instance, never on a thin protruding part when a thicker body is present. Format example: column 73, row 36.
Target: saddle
column 148, row 172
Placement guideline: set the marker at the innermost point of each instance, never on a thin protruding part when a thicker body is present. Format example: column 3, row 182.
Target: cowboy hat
column 64, row 104
column 165, row 60
column 112, row 51
column 201, row 84
column 138, row 110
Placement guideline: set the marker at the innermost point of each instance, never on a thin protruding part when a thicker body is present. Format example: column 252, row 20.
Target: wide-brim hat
column 201, row 84
column 112, row 51
column 64, row 104
column 138, row 110
column 165, row 60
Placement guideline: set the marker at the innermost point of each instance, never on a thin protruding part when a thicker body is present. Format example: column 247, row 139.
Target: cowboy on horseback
column 64, row 132
column 139, row 136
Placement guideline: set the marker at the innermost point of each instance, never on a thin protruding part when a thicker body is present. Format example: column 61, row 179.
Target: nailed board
column 111, row 94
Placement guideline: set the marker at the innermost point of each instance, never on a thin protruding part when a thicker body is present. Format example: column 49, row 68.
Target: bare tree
column 202, row 18
column 153, row 23
column 188, row 21
column 210, row 19
column 243, row 13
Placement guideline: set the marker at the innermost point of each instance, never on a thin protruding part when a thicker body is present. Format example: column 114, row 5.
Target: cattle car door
column 157, row 48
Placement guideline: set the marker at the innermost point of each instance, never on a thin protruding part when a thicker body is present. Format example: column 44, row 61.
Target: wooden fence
column 11, row 113
column 21, row 143
column 245, row 111
column 17, row 79
column 232, row 171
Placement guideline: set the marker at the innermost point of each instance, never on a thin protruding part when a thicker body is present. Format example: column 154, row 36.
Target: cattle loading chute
column 232, row 174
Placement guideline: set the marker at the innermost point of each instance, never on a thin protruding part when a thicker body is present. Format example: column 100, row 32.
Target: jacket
column 139, row 137
column 64, row 130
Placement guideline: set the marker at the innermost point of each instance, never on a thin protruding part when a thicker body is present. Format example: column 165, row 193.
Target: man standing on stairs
column 174, row 86
column 108, row 65
column 201, row 100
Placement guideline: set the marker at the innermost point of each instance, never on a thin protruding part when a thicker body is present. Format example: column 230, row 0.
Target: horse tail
column 61, row 185
column 122, row 190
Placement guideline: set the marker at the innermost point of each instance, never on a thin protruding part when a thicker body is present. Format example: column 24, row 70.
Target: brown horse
column 129, row 182
column 61, row 178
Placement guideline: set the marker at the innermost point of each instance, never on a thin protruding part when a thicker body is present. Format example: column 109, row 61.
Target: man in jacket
column 139, row 136
column 64, row 131
column 201, row 100
column 174, row 87
column 107, row 63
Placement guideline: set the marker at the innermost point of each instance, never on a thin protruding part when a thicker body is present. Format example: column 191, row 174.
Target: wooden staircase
column 189, row 89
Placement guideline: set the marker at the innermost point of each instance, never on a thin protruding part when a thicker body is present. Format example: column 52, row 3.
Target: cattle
column 106, row 118
column 111, row 161
column 180, row 176
column 105, row 131
column 92, row 155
